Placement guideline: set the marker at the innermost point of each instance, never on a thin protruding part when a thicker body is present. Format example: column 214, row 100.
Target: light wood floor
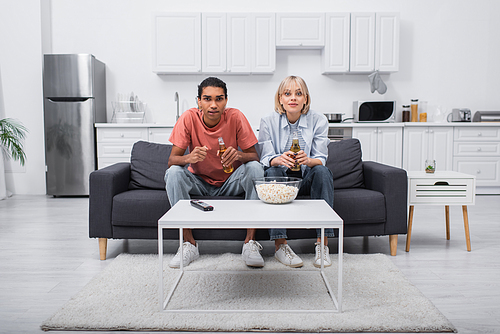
column 46, row 257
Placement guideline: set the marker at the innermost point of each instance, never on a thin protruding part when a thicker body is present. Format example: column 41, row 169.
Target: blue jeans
column 180, row 183
column 317, row 182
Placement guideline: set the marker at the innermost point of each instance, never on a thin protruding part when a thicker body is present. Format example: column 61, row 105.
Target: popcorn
column 276, row 193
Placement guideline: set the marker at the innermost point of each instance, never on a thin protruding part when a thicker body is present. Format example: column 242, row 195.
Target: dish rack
column 130, row 110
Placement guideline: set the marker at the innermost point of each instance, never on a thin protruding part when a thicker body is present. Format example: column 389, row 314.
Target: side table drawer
column 446, row 191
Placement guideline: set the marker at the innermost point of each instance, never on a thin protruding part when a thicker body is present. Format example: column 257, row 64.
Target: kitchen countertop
column 331, row 125
column 132, row 125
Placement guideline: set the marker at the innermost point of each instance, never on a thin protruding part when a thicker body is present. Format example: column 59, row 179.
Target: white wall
column 449, row 56
column 21, row 90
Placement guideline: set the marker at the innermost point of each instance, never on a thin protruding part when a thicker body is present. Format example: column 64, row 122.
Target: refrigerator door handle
column 68, row 99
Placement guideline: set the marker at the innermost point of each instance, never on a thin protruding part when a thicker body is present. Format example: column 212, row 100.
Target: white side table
column 441, row 188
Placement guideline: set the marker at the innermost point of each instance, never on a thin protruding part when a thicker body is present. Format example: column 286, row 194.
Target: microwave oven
column 374, row 111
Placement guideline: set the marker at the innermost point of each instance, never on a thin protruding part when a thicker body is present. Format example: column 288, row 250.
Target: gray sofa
column 127, row 199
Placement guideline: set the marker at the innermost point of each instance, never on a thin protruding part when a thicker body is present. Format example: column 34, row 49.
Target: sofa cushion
column 139, row 207
column 148, row 164
column 344, row 160
column 359, row 206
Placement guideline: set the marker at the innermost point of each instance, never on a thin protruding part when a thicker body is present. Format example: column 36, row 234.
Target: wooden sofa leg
column 393, row 242
column 103, row 245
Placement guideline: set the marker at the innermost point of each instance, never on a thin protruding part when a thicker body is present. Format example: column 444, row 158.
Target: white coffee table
column 230, row 214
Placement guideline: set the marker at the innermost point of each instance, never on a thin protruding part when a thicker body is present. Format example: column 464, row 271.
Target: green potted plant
column 12, row 135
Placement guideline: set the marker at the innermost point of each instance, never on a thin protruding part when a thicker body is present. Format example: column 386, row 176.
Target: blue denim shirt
column 275, row 129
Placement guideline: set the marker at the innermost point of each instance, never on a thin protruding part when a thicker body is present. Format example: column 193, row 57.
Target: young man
column 201, row 171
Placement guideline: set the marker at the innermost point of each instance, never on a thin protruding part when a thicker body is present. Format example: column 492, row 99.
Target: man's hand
column 229, row 156
column 198, row 154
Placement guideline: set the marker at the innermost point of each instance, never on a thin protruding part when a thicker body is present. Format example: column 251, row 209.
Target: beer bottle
column 295, row 148
column 222, row 149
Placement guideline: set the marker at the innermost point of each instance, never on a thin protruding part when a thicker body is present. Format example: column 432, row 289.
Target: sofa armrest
column 392, row 182
column 104, row 184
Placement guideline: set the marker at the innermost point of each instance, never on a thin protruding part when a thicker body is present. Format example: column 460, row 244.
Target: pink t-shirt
column 190, row 131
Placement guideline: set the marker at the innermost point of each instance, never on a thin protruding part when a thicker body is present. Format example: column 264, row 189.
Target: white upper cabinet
column 177, row 43
column 251, row 43
column 246, row 43
column 263, row 46
column 362, row 57
column 335, row 55
column 387, row 42
column 213, row 42
column 300, row 30
column 238, row 43
column 374, row 42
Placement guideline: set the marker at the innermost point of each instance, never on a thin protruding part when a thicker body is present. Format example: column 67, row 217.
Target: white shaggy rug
column 376, row 298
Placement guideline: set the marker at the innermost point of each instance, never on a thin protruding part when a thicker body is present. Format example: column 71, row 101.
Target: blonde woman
column 292, row 115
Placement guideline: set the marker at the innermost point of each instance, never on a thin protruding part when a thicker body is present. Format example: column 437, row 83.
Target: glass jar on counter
column 406, row 113
column 414, row 110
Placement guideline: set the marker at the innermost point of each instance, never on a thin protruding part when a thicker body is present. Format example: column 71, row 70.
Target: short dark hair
column 212, row 82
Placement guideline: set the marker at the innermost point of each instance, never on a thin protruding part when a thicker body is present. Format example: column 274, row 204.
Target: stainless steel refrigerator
column 74, row 89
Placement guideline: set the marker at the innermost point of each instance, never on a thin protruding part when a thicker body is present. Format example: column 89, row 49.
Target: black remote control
column 201, row 205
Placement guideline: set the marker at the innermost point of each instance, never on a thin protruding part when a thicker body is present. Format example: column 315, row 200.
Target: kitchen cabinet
column 381, row 144
column 374, row 42
column 387, row 42
column 428, row 143
column 335, row 54
column 159, row 135
column 238, row 43
column 251, row 43
column 263, row 43
column 176, row 43
column 114, row 143
column 477, row 152
column 300, row 30
column 213, row 43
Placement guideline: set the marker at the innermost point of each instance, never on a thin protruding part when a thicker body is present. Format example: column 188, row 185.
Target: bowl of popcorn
column 277, row 189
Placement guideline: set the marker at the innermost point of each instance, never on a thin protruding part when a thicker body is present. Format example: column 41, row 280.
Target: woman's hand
column 302, row 158
column 287, row 159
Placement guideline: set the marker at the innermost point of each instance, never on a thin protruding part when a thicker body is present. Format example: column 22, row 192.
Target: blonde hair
column 284, row 85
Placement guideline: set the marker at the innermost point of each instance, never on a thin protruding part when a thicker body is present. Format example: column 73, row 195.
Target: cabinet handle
column 431, row 131
column 123, row 151
column 122, row 135
column 150, row 132
column 479, row 149
column 426, row 131
column 478, row 171
column 479, row 134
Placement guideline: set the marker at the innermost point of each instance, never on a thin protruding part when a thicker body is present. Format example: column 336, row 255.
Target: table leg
column 466, row 226
column 160, row 255
column 340, row 266
column 408, row 234
column 447, row 215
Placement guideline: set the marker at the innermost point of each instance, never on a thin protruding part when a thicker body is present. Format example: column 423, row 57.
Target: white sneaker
column 285, row 255
column 326, row 256
column 251, row 254
column 191, row 253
